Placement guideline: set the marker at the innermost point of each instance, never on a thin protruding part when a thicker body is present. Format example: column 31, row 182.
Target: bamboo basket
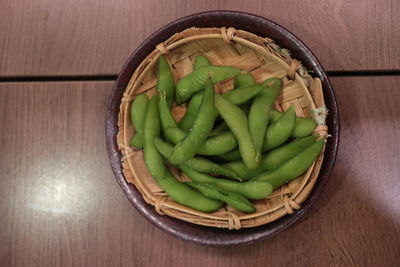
column 237, row 48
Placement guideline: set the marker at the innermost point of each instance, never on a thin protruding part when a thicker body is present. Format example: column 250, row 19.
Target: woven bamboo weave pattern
column 241, row 49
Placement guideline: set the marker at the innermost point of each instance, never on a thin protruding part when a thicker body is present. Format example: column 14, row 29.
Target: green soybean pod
column 166, row 117
column 186, row 196
column 152, row 157
column 231, row 155
column 200, row 61
column 196, row 80
column 274, row 115
column 136, row 141
column 201, row 129
column 244, row 79
column 165, row 80
column 138, row 113
column 220, row 128
column 181, row 193
column 273, row 159
column 218, row 144
column 250, row 189
column 237, row 97
column 213, row 145
column 294, row 167
column 260, row 109
column 234, row 200
column 242, row 95
column 237, row 122
column 196, row 163
column 280, row 131
column 191, row 113
column 302, row 127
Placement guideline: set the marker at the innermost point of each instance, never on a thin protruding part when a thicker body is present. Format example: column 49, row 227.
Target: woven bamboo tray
column 237, row 48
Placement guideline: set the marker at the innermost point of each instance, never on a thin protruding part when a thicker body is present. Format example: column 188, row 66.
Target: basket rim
column 136, row 58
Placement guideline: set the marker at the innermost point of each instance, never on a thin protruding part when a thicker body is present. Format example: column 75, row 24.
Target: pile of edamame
column 234, row 146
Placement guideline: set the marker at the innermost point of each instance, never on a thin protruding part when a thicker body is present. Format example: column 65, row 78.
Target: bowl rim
column 260, row 26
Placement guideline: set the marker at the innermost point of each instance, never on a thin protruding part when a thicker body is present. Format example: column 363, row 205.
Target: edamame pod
column 260, row 109
column 201, row 129
column 242, row 95
column 302, row 127
column 244, row 79
column 138, row 113
column 279, row 131
column 153, row 159
column 237, row 97
column 294, row 167
column 234, row 200
column 166, row 117
column 250, row 189
column 200, row 61
column 196, row 80
column 274, row 115
column 237, row 122
column 196, row 163
column 165, row 80
column 273, row 159
column 186, row 196
column 230, row 156
column 179, row 192
column 136, row 141
column 220, row 128
column 191, row 112
column 213, row 145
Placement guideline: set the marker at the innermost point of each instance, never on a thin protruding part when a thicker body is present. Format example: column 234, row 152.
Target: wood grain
column 96, row 37
column 61, row 205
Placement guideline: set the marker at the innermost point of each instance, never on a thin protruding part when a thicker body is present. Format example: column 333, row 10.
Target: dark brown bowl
column 256, row 25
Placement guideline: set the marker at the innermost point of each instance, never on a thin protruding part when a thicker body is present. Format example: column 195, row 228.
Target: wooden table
column 61, row 205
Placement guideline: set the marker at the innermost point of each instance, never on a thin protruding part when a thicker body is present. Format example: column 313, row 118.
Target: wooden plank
column 61, row 205
column 96, row 37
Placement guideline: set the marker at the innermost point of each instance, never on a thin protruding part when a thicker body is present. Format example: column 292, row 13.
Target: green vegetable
column 200, row 61
column 260, row 109
column 244, row 79
column 273, row 159
column 202, row 127
column 242, row 95
column 220, row 128
column 196, row 163
column 302, row 127
column 237, row 97
column 191, row 113
column 138, row 113
column 231, row 155
column 166, row 117
column 213, row 145
column 136, row 141
column 237, row 122
column 165, row 80
column 250, row 189
column 196, row 80
column 179, row 192
column 294, row 167
column 279, row 131
column 232, row 199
